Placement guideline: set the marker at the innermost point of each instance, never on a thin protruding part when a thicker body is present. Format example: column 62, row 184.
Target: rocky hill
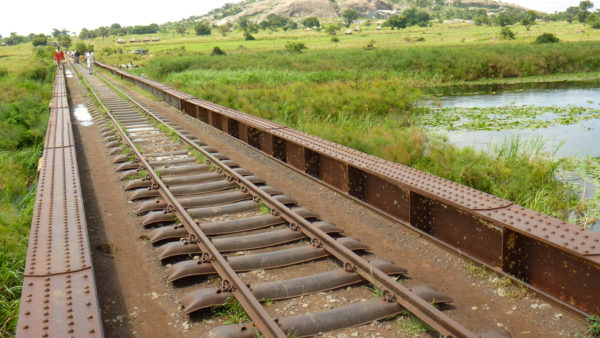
column 260, row 9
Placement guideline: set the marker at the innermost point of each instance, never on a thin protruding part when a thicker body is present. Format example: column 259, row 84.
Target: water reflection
column 82, row 115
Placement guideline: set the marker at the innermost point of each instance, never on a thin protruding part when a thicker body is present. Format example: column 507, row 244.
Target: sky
column 26, row 16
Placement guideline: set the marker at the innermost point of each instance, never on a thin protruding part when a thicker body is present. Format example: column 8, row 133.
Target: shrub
column 248, row 36
column 202, row 28
column 335, row 39
column 3, row 72
column 39, row 40
column 39, row 72
column 295, row 47
column 507, row 34
column 44, row 52
column 311, row 22
column 547, row 38
column 217, row 51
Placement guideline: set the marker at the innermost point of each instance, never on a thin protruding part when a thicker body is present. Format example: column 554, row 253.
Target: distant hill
column 260, row 9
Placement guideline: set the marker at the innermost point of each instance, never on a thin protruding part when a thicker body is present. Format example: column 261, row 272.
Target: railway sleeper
column 266, row 260
column 290, row 288
column 210, row 211
column 310, row 324
column 192, row 189
column 202, row 200
column 242, row 243
column 177, row 231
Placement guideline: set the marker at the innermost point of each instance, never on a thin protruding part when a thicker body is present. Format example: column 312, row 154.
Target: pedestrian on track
column 90, row 62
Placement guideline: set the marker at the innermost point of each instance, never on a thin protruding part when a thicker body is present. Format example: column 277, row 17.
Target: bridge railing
column 59, row 293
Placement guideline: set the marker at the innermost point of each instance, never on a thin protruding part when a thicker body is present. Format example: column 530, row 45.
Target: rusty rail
column 554, row 258
column 59, row 293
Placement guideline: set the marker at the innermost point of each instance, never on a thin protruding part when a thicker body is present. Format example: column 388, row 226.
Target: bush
column 39, row 72
column 202, row 29
column 547, row 38
column 39, row 40
column 217, row 51
column 311, row 22
column 593, row 20
column 44, row 52
column 335, row 39
column 3, row 72
column 295, row 47
column 248, row 36
column 507, row 34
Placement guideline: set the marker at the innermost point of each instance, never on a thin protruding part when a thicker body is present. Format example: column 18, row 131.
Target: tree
column 349, row 16
column 39, row 40
column 84, row 34
column 103, row 32
column 202, row 28
column 224, row 29
column 332, row 28
column 115, row 26
column 503, row 19
column 180, row 28
column 56, row 32
column 243, row 22
column 481, row 20
column 311, row 22
column 14, row 39
column 396, row 21
column 529, row 19
column 422, row 18
column 416, row 17
column 586, row 5
column 593, row 20
column 64, row 41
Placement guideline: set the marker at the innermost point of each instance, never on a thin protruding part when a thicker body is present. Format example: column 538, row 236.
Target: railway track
column 207, row 216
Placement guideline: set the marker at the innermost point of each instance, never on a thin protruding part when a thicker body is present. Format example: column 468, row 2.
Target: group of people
column 59, row 58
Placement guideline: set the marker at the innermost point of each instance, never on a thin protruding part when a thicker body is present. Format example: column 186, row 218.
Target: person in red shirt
column 59, row 56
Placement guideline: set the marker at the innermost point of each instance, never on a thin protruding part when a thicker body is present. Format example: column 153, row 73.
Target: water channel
column 581, row 139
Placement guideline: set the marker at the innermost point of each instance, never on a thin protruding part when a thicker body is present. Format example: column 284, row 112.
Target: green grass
column 25, row 91
column 263, row 209
column 411, row 326
column 232, row 311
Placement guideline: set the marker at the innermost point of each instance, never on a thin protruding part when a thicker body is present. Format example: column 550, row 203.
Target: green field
column 365, row 98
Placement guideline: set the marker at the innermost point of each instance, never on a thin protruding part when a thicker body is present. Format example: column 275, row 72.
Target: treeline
column 61, row 35
column 117, row 30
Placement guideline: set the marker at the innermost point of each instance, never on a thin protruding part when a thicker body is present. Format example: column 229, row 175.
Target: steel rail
column 231, row 281
column 393, row 291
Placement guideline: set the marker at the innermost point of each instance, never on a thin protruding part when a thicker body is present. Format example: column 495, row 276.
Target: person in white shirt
column 90, row 62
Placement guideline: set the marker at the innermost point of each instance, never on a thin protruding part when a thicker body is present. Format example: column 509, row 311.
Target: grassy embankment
column 25, row 90
column 365, row 99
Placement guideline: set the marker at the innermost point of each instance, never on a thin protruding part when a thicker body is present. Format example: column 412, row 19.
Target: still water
column 579, row 140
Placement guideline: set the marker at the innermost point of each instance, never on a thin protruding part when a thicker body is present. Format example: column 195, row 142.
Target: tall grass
column 364, row 100
column 25, row 92
column 450, row 63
